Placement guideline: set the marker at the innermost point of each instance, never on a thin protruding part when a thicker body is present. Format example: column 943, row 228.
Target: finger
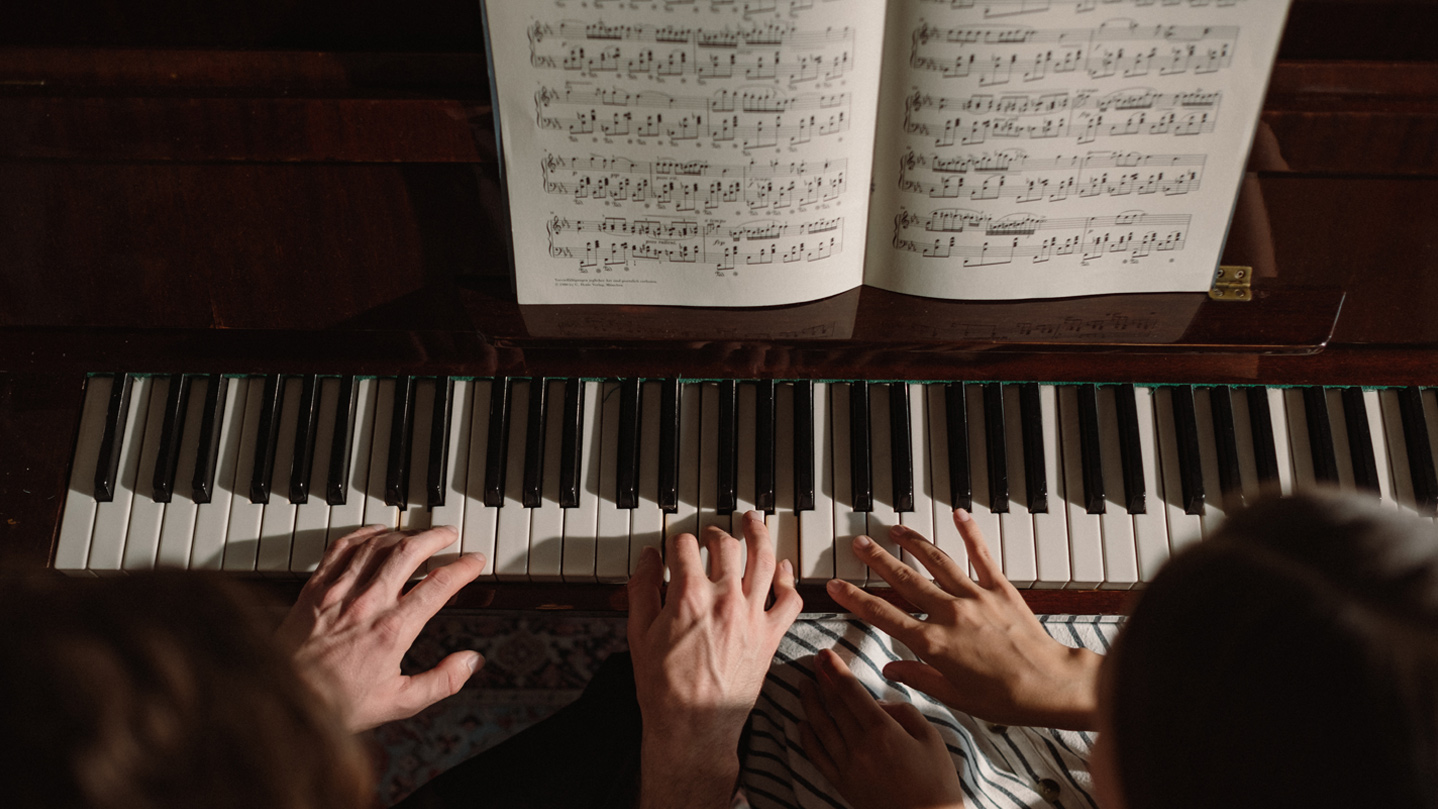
column 787, row 601
column 875, row 611
column 906, row 581
column 362, row 565
column 425, row 599
column 834, row 703
column 919, row 675
column 686, row 567
column 409, row 554
column 847, row 687
column 947, row 574
column 726, row 555
column 987, row 573
column 759, row 570
column 337, row 559
column 644, row 602
column 911, row 720
column 825, row 731
column 444, row 680
column 818, row 756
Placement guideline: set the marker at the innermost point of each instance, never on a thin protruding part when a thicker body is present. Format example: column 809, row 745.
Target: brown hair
column 1290, row 660
column 160, row 690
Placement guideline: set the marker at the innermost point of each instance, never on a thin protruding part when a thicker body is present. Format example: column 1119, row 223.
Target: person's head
column 1290, row 660
column 160, row 690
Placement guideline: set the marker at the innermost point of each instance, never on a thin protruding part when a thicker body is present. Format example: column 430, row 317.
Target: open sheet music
column 732, row 153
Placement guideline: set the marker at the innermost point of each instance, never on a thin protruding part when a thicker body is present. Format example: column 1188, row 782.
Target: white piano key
column 1151, row 527
column 546, row 523
column 1243, row 435
column 77, row 521
column 376, row 510
column 1016, row 526
column 983, row 515
column 212, row 519
column 415, row 516
column 685, row 519
column 1342, row 450
column 511, row 534
column 456, row 470
column 848, row 523
column 348, row 518
column 112, row 519
column 784, row 522
column 1183, row 528
column 1298, row 446
column 646, row 520
column 882, row 517
column 1120, row 554
column 745, row 490
column 177, row 531
column 1429, row 397
column 816, row 525
column 242, row 540
column 946, row 533
column 142, row 536
column 1278, row 413
column 1051, row 536
column 581, row 523
column 277, row 527
column 480, row 520
column 921, row 519
column 1378, row 436
column 708, row 473
column 1085, row 529
column 1214, row 507
column 312, row 518
column 1401, row 472
column 611, row 551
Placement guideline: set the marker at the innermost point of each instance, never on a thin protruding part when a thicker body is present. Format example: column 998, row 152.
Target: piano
column 257, row 295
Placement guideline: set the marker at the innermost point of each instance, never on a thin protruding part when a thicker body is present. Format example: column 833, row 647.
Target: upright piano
column 256, row 292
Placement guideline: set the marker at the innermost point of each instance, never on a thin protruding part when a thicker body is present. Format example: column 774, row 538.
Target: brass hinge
column 1232, row 284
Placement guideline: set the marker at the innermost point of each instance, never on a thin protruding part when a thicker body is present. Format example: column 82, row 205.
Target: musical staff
column 697, row 185
column 983, row 239
column 1012, row 8
column 997, row 175
column 1086, row 116
column 621, row 243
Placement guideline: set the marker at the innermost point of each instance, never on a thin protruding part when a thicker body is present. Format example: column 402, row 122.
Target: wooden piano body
column 305, row 187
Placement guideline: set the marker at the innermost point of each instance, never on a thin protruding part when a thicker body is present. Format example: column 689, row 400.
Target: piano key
column 816, row 524
column 305, row 434
column 1150, row 526
column 1429, row 399
column 480, row 518
column 783, row 521
column 497, row 446
column 511, row 533
column 167, row 456
column 1420, row 453
column 946, row 534
column 534, row 440
column 861, row 466
column 312, row 517
column 995, row 439
column 1091, row 452
column 1265, row 452
column 624, row 446
column 1189, row 464
column 242, row 537
column 647, row 519
column 956, row 409
column 1400, row 465
column 1243, row 440
column 212, row 517
column 277, row 525
column 746, row 462
column 571, row 455
column 805, row 440
column 142, row 535
column 882, row 515
column 1378, row 440
column 920, row 518
column 1051, row 540
column 177, row 529
column 454, row 474
column 1215, row 507
column 849, row 522
column 414, row 514
column 1299, row 439
column 1225, row 436
column 437, row 468
column 207, row 448
column 1320, row 435
column 337, row 488
column 901, row 447
column 1338, row 428
column 1130, row 449
column 401, row 438
column 377, row 511
column 1120, row 550
column 611, row 552
column 1183, row 527
column 546, row 520
column 1084, row 529
column 107, row 460
column 1282, row 444
column 765, row 451
column 1360, row 440
column 347, row 512
column 112, row 517
column 670, row 429
column 581, row 520
column 709, row 462
column 263, row 468
column 1016, row 525
column 77, row 520
column 1031, row 419
column 685, row 516
column 979, row 464
column 726, row 457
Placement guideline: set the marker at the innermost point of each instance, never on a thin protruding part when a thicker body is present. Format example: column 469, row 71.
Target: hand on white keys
column 352, row 624
column 984, row 652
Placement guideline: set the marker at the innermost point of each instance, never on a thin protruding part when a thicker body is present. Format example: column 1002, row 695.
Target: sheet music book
column 767, row 152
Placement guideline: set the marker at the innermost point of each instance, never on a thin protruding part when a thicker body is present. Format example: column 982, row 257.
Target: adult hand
column 352, row 624
column 878, row 754
column 700, row 658
column 984, row 652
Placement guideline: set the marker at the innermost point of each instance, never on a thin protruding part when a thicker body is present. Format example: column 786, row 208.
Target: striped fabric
column 1000, row 767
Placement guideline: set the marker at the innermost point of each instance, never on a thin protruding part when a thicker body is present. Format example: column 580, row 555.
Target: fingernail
column 835, row 586
column 962, row 515
column 862, row 541
column 753, row 516
column 449, row 528
column 786, row 567
column 475, row 658
column 649, row 554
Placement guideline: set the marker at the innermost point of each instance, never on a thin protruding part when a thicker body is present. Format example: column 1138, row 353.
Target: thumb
column 925, row 678
column 643, row 590
column 909, row 719
column 444, row 680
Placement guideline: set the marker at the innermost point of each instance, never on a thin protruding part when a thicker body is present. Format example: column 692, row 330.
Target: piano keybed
column 1075, row 486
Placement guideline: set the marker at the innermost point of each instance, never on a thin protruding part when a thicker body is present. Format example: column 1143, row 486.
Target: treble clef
column 537, row 33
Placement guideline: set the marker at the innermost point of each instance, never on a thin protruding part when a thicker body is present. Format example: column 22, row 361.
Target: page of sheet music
column 1052, row 148
column 687, row 152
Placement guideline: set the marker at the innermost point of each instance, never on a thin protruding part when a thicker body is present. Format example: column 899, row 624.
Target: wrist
column 1077, row 704
column 689, row 772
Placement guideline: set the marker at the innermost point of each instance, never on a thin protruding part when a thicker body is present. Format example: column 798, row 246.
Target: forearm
column 1075, row 706
column 683, row 773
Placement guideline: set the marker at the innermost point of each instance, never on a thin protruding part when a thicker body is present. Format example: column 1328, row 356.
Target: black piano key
column 1320, row 435
column 626, row 478
column 997, row 440
column 304, row 454
column 1360, row 440
column 861, row 467
column 1225, row 434
column 1190, row 470
column 901, row 447
column 956, row 415
column 1035, row 467
column 1265, row 451
column 107, row 468
column 435, row 482
column 804, row 445
column 265, row 439
column 336, row 490
column 1130, row 449
column 208, row 453
column 1420, row 452
column 1091, row 450
column 533, row 493
column 396, row 481
column 669, row 446
column 571, row 455
column 765, row 450
column 167, row 461
column 497, row 453
column 728, row 460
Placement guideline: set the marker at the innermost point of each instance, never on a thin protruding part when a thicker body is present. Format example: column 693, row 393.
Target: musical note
column 983, row 239
column 696, row 185
column 1011, row 8
column 624, row 243
column 1012, row 174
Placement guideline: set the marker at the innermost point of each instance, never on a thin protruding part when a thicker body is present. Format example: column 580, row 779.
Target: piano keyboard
column 1075, row 486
